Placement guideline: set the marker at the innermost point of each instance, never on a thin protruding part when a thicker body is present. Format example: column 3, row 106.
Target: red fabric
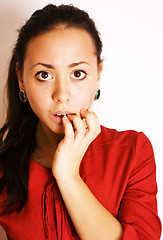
column 118, row 168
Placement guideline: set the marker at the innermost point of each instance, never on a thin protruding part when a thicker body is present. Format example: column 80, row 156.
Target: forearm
column 90, row 218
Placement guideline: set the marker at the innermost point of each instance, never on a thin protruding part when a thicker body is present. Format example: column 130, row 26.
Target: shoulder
column 129, row 143
column 127, row 137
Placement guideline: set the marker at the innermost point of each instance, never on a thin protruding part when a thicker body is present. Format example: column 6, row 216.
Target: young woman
column 63, row 176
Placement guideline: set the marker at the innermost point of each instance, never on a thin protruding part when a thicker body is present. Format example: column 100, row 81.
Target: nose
column 61, row 91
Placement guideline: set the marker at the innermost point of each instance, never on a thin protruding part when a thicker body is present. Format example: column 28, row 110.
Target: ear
column 19, row 76
column 100, row 68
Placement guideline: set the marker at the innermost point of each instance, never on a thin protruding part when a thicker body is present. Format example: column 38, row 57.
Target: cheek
column 36, row 100
column 85, row 97
column 36, row 95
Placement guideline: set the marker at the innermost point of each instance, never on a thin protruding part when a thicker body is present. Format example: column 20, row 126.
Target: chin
column 58, row 130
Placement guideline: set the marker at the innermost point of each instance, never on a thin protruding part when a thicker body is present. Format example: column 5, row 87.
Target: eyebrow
column 52, row 66
column 77, row 63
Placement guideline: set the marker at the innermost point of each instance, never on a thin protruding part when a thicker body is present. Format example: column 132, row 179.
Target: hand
column 80, row 131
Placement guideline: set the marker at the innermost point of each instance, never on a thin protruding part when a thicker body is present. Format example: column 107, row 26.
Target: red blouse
column 118, row 168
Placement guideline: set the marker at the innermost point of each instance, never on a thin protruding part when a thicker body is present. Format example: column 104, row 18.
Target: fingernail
column 83, row 109
column 65, row 118
column 90, row 110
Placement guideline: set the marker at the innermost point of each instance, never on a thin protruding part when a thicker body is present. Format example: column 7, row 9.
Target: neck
column 47, row 137
column 47, row 143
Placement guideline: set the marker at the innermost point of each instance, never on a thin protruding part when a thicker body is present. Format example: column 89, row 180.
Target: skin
column 62, row 145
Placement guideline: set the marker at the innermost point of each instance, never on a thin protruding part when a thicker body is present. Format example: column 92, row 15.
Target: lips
column 57, row 116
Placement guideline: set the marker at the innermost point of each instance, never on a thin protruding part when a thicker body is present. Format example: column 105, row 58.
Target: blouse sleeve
column 138, row 209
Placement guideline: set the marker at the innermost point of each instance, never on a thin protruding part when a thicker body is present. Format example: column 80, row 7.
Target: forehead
column 70, row 42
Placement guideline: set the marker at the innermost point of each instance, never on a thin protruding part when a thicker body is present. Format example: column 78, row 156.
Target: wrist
column 69, row 179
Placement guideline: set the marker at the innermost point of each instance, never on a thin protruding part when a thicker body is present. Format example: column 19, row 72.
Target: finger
column 92, row 123
column 79, row 127
column 85, row 123
column 69, row 132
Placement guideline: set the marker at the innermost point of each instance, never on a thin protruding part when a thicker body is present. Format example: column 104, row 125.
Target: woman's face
column 60, row 75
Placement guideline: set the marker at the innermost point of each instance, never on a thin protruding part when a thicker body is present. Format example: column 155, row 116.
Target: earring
column 22, row 96
column 97, row 95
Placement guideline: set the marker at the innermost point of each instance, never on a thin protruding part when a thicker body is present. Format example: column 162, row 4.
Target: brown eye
column 43, row 76
column 79, row 74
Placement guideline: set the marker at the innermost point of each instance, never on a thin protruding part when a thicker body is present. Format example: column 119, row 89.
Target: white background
column 131, row 84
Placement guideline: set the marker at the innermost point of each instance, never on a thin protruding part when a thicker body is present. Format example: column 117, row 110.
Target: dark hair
column 17, row 136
